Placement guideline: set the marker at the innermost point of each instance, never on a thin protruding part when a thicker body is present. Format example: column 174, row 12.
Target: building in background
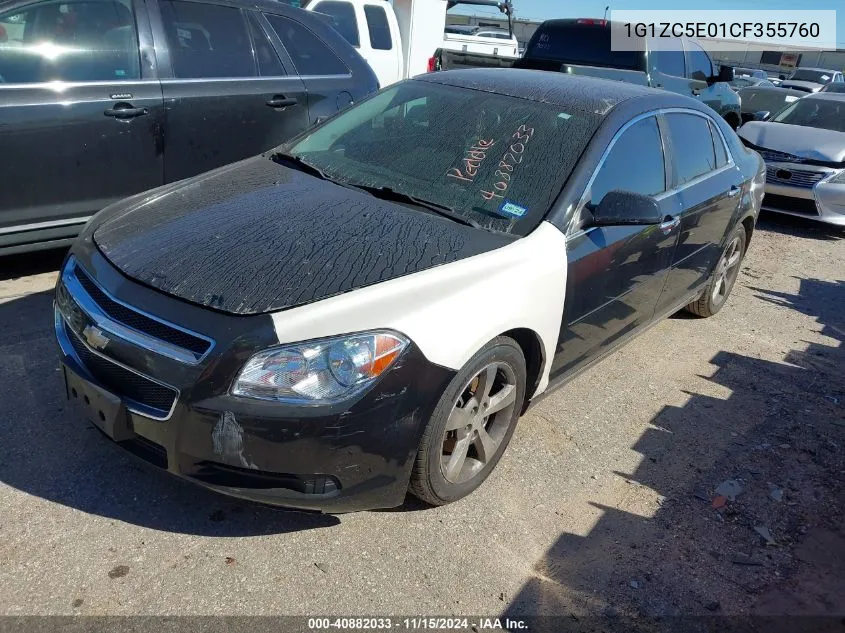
column 779, row 62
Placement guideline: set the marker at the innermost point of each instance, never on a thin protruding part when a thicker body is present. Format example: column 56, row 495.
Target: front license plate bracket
column 103, row 409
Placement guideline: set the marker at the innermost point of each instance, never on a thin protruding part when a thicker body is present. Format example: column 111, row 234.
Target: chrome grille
column 132, row 324
column 773, row 156
column 793, row 177
column 141, row 322
column 126, row 384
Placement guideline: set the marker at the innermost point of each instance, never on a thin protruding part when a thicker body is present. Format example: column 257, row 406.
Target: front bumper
column 815, row 198
column 176, row 413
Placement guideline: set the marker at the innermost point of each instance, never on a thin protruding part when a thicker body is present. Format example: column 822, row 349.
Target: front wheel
column 472, row 424
column 724, row 276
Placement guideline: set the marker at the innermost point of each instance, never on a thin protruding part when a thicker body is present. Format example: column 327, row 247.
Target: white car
column 804, row 149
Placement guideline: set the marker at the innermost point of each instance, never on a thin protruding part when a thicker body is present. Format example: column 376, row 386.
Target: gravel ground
column 606, row 502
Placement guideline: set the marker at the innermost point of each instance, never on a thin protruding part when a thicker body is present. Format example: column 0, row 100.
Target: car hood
column 806, row 142
column 806, row 85
column 256, row 237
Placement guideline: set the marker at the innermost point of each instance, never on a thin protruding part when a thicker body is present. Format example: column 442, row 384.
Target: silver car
column 812, row 79
column 804, row 149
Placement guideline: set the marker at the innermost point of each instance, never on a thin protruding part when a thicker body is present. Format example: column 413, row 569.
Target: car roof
column 774, row 89
column 824, row 70
column 826, row 96
column 570, row 92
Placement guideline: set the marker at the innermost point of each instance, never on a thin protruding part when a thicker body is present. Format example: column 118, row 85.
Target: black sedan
column 372, row 306
column 101, row 99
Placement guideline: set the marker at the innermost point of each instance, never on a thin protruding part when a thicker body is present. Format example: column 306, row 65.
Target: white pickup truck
column 481, row 40
column 398, row 39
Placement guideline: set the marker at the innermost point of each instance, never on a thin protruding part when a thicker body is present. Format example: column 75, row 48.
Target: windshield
column 766, row 100
column 826, row 114
column 741, row 82
column 495, row 161
column 816, row 76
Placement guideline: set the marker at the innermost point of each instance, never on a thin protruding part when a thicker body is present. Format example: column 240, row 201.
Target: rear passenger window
column 343, row 17
column 379, row 28
column 635, row 163
column 69, row 41
column 310, row 54
column 207, row 40
column 269, row 64
column 719, row 144
column 699, row 66
column 692, row 145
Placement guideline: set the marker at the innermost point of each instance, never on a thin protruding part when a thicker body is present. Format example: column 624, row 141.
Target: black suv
column 101, row 99
column 583, row 47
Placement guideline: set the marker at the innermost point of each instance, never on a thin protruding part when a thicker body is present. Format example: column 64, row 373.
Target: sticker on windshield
column 512, row 210
column 791, row 98
column 564, row 116
column 825, row 77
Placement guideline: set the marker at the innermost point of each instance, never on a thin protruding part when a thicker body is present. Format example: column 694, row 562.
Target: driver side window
column 635, row 163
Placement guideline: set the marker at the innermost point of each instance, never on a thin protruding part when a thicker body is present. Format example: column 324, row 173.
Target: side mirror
column 762, row 115
column 626, row 207
column 726, row 74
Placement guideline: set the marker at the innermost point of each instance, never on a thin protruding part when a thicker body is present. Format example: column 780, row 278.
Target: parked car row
column 102, row 99
column 583, row 47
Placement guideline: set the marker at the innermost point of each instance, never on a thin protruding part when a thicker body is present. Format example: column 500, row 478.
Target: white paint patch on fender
column 452, row 311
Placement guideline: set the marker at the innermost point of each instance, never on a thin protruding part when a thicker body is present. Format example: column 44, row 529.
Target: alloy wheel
column 727, row 270
column 478, row 423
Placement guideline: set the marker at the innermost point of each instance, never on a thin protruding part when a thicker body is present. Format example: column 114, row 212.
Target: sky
column 545, row 9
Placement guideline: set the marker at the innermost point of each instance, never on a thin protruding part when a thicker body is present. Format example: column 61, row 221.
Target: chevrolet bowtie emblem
column 95, row 336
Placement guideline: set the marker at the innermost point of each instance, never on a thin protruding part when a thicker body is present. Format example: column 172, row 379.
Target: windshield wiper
column 386, row 193
column 301, row 165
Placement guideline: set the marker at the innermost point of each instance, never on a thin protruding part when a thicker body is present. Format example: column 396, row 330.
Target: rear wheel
column 724, row 276
column 471, row 425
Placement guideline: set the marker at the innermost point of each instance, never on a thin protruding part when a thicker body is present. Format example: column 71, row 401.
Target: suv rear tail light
column 592, row 21
column 432, row 64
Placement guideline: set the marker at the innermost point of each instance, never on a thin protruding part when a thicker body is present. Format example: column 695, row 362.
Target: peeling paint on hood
column 257, row 237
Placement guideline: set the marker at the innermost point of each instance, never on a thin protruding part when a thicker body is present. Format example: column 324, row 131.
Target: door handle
column 696, row 92
column 669, row 224
column 125, row 111
column 733, row 191
column 280, row 101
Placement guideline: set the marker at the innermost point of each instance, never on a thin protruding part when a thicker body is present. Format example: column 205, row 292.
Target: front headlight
column 319, row 372
column 837, row 179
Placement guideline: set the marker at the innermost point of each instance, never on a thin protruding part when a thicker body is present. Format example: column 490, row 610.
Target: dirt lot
column 610, row 501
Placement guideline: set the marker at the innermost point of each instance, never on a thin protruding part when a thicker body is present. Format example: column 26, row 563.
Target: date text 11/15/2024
column 417, row 624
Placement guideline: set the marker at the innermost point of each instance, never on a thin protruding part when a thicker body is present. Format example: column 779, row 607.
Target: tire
column 440, row 475
column 723, row 277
